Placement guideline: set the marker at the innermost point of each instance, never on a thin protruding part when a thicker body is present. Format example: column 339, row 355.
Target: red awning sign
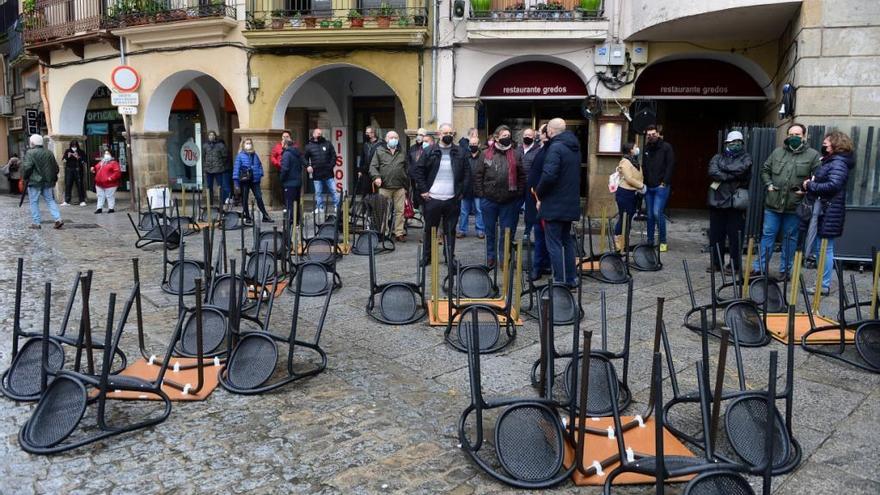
column 534, row 80
column 697, row 79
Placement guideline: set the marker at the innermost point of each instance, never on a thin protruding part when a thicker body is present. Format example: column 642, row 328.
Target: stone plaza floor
column 383, row 417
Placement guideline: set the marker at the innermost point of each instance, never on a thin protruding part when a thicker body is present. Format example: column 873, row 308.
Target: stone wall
column 834, row 59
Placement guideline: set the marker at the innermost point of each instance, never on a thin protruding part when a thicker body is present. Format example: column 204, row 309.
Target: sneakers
column 825, row 291
column 111, row 210
column 459, row 235
column 35, row 226
column 82, row 203
column 59, row 224
column 663, row 247
column 98, row 211
column 64, row 204
column 481, row 235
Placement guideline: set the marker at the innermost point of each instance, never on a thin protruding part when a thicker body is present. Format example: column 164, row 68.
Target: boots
column 618, row 243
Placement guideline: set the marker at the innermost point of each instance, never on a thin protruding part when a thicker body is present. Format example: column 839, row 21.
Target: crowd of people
column 500, row 180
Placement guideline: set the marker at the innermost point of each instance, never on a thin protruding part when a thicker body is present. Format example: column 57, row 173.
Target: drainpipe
column 434, row 61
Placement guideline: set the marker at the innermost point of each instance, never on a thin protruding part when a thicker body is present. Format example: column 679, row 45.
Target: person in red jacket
column 275, row 155
column 107, row 177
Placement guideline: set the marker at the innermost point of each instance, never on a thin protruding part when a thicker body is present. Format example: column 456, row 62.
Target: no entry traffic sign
column 125, row 79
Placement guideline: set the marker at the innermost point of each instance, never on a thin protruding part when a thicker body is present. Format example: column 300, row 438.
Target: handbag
column 408, row 210
column 245, row 174
column 741, row 199
column 614, row 181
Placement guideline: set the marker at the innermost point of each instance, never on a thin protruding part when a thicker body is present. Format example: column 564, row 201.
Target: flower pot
column 384, row 22
column 278, row 23
column 325, row 24
column 591, row 5
column 337, row 24
column 357, row 22
column 310, row 21
column 295, row 23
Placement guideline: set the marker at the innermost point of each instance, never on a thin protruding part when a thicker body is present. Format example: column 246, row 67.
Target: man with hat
column 729, row 171
column 40, row 172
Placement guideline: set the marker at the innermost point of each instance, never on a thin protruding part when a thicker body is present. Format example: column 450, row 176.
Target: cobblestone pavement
column 383, row 417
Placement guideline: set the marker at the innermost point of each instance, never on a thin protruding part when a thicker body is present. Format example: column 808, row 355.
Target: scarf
column 511, row 163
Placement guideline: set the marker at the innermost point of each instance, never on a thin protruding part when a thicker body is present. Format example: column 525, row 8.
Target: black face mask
column 447, row 139
column 527, row 141
column 474, row 149
column 504, row 141
column 825, row 151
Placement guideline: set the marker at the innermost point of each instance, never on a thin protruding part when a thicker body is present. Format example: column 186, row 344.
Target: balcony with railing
column 155, row 23
column 534, row 19
column 337, row 22
column 48, row 24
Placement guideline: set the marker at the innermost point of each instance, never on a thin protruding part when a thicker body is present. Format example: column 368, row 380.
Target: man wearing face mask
column 413, row 155
column 388, row 173
column 783, row 175
column 658, row 163
column 500, row 183
column 527, row 152
column 442, row 175
column 74, row 161
column 215, row 166
column 558, row 199
column 469, row 202
column 321, row 158
column 371, row 143
column 729, row 171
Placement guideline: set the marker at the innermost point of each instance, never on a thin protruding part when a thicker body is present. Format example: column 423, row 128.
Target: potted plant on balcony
column 481, row 8
column 355, row 18
column 337, row 23
column 384, row 14
column 296, row 20
column 590, row 8
column 253, row 22
column 310, row 21
column 278, row 19
column 325, row 23
column 515, row 11
column 403, row 20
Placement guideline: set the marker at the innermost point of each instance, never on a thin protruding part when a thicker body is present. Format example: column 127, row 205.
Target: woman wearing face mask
column 828, row 185
column 246, row 174
column 500, row 183
column 631, row 182
column 107, row 177
column 729, row 170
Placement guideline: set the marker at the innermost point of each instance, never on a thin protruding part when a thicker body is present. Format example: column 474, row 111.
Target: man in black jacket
column 74, row 161
column 558, row 201
column 371, row 144
column 321, row 158
column 657, row 165
column 441, row 175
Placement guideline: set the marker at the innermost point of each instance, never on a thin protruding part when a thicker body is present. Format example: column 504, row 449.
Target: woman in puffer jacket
column 828, row 185
column 729, row 170
column 246, row 174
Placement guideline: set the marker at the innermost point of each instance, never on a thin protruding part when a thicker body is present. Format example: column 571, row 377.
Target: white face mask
column 73, row 148
column 636, row 151
column 248, row 147
column 419, row 139
column 107, row 157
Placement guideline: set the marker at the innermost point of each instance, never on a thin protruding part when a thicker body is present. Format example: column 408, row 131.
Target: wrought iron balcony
column 128, row 13
column 51, row 19
column 336, row 14
column 534, row 10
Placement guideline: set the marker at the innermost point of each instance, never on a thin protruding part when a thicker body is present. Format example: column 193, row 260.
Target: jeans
column 540, row 257
column 562, row 249
column 655, row 200
column 468, row 206
column 437, row 212
column 530, row 214
column 108, row 193
column 504, row 214
column 48, row 194
column 729, row 224
column 246, row 189
column 73, row 177
column 829, row 261
column 326, row 186
column 222, row 180
column 773, row 222
column 626, row 205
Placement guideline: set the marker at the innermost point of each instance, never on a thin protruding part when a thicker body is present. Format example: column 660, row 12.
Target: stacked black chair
column 399, row 303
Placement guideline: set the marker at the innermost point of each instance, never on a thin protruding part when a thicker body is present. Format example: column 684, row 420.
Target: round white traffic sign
column 125, row 79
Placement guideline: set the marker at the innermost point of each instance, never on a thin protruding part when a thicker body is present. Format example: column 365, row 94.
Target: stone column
column 149, row 156
column 57, row 143
column 264, row 140
column 464, row 115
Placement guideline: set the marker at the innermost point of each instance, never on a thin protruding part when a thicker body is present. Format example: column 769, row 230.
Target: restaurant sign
column 697, row 79
column 534, row 80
